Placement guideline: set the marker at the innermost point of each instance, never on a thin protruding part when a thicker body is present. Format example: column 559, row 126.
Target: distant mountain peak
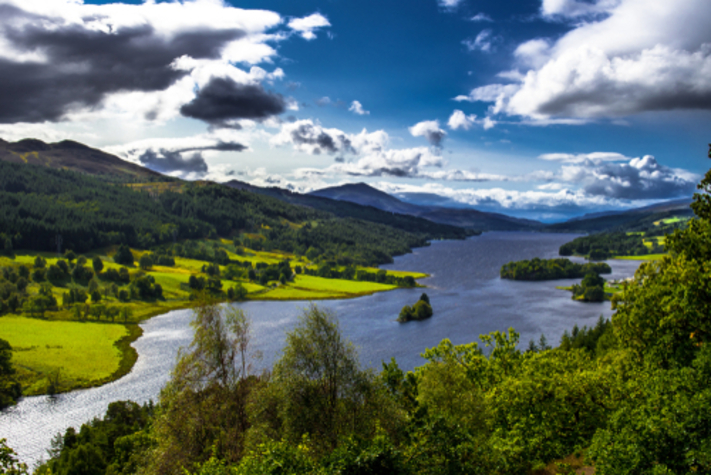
column 364, row 194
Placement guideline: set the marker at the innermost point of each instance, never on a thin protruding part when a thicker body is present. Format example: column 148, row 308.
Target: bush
column 145, row 262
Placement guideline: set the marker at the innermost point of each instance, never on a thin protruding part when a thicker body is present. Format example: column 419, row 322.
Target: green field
column 646, row 257
column 307, row 287
column 85, row 353
column 672, row 220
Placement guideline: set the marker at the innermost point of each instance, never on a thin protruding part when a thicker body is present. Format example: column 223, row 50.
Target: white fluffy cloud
column 628, row 57
column 357, row 108
column 459, row 120
column 307, row 26
column 430, row 130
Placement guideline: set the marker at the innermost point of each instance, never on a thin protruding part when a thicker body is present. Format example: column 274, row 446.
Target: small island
column 591, row 289
column 551, row 269
column 422, row 310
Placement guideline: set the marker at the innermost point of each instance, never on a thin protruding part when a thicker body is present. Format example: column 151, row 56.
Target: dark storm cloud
column 308, row 134
column 165, row 161
column 641, row 179
column 223, row 99
column 83, row 66
column 168, row 161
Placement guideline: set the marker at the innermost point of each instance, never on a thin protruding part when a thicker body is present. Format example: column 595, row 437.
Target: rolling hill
column 624, row 220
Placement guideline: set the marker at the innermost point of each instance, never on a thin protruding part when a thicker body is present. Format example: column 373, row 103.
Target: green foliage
column 145, row 262
column 10, row 389
column 100, row 445
column 605, row 245
column 318, row 396
column 420, row 311
column 203, row 406
column 597, row 340
column 662, row 426
column 123, row 256
column 550, row 269
column 591, row 289
column 97, row 264
column 9, row 463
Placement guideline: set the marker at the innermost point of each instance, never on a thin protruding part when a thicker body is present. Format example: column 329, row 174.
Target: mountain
column 347, row 209
column 70, row 155
column 467, row 218
column 366, row 195
column 624, row 220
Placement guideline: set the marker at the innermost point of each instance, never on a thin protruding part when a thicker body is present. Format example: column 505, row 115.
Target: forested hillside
column 630, row 397
column 88, row 212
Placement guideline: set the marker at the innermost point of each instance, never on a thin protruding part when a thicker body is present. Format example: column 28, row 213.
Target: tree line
column 551, row 269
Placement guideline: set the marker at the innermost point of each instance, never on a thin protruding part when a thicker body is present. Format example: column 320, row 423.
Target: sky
column 544, row 109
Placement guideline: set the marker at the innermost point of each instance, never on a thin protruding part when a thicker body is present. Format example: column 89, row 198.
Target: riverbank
column 53, row 361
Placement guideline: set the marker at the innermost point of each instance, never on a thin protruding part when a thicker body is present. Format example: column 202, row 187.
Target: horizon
column 545, row 110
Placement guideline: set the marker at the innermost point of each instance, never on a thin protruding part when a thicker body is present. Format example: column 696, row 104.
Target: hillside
column 367, row 212
column 468, row 218
column 74, row 156
column 630, row 220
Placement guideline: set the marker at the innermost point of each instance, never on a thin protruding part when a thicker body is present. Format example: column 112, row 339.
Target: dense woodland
column 605, row 245
column 550, row 269
column 630, row 396
column 88, row 212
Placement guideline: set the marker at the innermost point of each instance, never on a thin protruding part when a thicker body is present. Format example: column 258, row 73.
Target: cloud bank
column 621, row 57
column 65, row 60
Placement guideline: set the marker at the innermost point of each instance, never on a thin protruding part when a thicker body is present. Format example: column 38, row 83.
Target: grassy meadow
column 85, row 353
column 90, row 349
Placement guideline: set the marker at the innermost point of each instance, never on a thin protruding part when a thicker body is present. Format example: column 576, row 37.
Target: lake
column 467, row 295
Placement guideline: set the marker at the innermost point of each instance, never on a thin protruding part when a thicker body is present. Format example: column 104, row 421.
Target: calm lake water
column 467, row 295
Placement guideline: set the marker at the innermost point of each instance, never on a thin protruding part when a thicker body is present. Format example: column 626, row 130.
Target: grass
column 646, row 257
column 308, row 287
column 672, row 220
column 85, row 353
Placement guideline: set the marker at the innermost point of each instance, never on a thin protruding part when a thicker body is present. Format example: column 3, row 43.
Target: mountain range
column 358, row 200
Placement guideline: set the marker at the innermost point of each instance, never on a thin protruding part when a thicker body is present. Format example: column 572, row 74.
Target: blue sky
column 538, row 108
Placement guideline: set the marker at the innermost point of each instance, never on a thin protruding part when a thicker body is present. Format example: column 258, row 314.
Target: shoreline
column 129, row 356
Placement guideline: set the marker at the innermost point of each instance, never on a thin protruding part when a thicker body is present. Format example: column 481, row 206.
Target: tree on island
column 422, row 310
